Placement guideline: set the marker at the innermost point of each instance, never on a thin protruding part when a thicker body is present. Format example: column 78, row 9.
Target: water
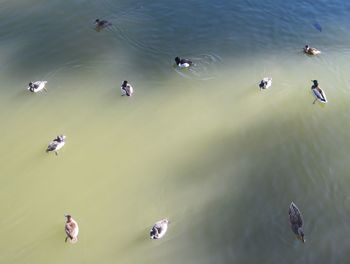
column 203, row 147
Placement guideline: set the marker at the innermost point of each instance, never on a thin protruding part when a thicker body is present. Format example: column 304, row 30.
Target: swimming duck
column 296, row 221
column 265, row 83
column 311, row 51
column 72, row 229
column 102, row 23
column 37, row 86
column 126, row 89
column 183, row 63
column 56, row 144
column 318, row 92
column 159, row 229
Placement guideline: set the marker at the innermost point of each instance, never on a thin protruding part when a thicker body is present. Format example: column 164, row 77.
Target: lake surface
column 203, row 147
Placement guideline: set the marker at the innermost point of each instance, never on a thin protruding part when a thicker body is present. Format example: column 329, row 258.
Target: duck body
column 183, row 63
column 296, row 221
column 37, row 86
column 72, row 229
column 56, row 144
column 159, row 229
column 102, row 23
column 126, row 89
column 320, row 95
column 311, row 51
column 265, row 83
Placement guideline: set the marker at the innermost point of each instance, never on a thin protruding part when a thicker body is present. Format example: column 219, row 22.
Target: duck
column 37, row 86
column 102, row 23
column 126, row 89
column 311, row 51
column 265, row 83
column 159, row 229
column 318, row 92
column 56, row 144
column 296, row 221
column 183, row 63
column 72, row 229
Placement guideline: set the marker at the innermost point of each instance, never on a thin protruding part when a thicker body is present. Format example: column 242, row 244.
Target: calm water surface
column 203, row 147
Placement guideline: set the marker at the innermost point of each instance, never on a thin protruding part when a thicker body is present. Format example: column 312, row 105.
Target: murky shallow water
column 204, row 148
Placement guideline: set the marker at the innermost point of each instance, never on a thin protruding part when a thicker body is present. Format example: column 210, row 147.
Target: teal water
column 203, row 147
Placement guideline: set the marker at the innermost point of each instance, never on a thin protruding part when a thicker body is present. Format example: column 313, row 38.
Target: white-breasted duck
column 159, row 229
column 126, row 89
column 56, row 144
column 183, row 63
column 318, row 92
column 265, row 83
column 311, row 51
column 72, row 229
column 296, row 221
column 37, row 86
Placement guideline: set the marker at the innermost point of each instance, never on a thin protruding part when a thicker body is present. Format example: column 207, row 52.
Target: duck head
column 301, row 234
column 97, row 21
column 306, row 47
column 262, row 84
column 61, row 137
column 68, row 216
column 125, row 83
column 154, row 233
column 177, row 60
column 315, row 82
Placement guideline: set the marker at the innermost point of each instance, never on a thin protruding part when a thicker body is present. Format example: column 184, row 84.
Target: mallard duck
column 102, row 23
column 265, row 83
column 318, row 92
column 72, row 229
column 183, row 63
column 311, row 51
column 37, row 86
column 126, row 89
column 56, row 144
column 296, row 221
column 159, row 229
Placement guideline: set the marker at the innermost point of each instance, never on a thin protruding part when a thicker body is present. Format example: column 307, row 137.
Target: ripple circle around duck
column 204, row 67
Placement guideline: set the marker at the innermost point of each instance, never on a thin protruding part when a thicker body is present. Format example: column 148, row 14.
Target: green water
column 202, row 147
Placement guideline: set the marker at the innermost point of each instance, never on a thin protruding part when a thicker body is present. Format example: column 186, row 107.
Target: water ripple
column 205, row 67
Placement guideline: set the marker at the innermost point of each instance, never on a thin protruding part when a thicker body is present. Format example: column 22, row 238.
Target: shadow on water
column 153, row 34
column 233, row 190
column 250, row 177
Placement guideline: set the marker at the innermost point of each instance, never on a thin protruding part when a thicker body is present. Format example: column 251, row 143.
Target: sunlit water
column 203, row 147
